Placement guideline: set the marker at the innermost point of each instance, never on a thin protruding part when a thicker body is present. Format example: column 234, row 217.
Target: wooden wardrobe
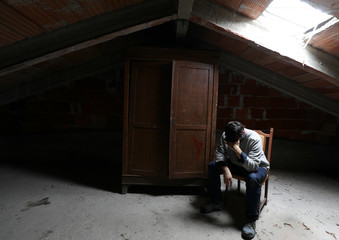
column 169, row 117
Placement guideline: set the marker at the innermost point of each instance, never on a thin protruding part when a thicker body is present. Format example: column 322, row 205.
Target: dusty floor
column 39, row 206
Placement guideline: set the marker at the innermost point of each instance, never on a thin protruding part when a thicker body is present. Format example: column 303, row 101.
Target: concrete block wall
column 261, row 107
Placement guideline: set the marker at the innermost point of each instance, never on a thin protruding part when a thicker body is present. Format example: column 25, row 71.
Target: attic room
column 75, row 76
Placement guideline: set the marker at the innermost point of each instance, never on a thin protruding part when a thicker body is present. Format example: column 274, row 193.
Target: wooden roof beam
column 184, row 13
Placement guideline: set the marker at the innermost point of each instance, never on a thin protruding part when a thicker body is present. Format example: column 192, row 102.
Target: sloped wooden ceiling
column 250, row 8
column 46, row 43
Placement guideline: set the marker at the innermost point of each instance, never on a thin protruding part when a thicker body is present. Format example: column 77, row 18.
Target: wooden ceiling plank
column 17, row 22
column 87, row 30
column 85, row 44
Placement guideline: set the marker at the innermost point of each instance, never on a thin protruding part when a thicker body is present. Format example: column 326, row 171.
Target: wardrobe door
column 149, row 113
column 191, row 119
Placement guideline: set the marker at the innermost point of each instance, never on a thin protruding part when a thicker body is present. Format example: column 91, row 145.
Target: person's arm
column 220, row 152
column 252, row 160
column 227, row 176
column 254, row 156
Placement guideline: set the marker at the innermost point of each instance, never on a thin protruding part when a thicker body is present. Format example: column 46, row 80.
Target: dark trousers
column 253, row 186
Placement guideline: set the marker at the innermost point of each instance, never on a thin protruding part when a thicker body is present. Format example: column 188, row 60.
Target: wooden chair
column 264, row 138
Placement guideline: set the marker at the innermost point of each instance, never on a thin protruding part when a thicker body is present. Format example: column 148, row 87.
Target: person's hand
column 227, row 177
column 235, row 146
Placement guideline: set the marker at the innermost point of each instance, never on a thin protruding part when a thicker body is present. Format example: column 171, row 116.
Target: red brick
column 223, row 77
column 225, row 113
column 54, row 107
column 236, row 78
column 331, row 118
column 313, row 114
column 37, row 118
column 242, row 113
column 62, row 118
column 221, row 100
column 90, row 84
column 274, row 93
column 284, row 114
column 103, row 108
column 322, row 138
column 249, row 101
column 315, row 125
column 253, row 90
column 98, row 120
column 267, row 124
column 282, row 102
column 257, row 113
column 220, row 123
column 57, row 94
column 304, row 105
column 301, row 124
column 262, row 102
column 256, row 101
column 223, row 89
column 115, row 122
column 91, row 96
column 309, row 137
column 288, row 134
column 248, row 90
column 330, row 128
column 83, row 120
column 87, row 108
column 234, row 90
column 76, row 95
column 249, row 123
column 261, row 91
column 233, row 101
column 250, row 81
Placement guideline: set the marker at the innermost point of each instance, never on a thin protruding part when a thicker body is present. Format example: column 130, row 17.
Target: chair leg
column 264, row 202
column 266, row 191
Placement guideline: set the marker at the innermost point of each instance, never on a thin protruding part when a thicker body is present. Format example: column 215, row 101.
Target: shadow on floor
column 105, row 176
column 166, row 190
column 234, row 210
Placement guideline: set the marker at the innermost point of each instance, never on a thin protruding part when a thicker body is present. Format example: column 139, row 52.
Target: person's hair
column 233, row 131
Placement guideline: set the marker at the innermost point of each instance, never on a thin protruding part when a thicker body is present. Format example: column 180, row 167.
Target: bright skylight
column 293, row 17
column 298, row 13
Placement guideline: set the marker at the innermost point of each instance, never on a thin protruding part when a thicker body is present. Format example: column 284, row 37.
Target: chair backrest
column 264, row 138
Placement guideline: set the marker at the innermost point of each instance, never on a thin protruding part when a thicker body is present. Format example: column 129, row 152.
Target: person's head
column 233, row 131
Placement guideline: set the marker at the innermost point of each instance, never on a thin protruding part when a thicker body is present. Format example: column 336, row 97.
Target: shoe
column 211, row 207
column 248, row 231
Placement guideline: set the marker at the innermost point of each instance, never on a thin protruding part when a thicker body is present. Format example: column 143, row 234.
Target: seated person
column 240, row 153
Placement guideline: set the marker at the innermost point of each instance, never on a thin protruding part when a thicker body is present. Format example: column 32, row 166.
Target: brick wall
column 96, row 103
column 92, row 103
column 261, row 107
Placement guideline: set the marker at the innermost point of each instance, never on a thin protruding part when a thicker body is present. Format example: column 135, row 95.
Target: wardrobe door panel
column 191, row 110
column 149, row 115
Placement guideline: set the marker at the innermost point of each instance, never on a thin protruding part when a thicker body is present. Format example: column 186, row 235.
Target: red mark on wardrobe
column 198, row 146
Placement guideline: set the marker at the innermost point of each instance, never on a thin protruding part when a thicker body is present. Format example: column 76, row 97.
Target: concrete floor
column 39, row 205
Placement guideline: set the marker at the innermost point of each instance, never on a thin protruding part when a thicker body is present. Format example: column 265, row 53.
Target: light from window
column 292, row 17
